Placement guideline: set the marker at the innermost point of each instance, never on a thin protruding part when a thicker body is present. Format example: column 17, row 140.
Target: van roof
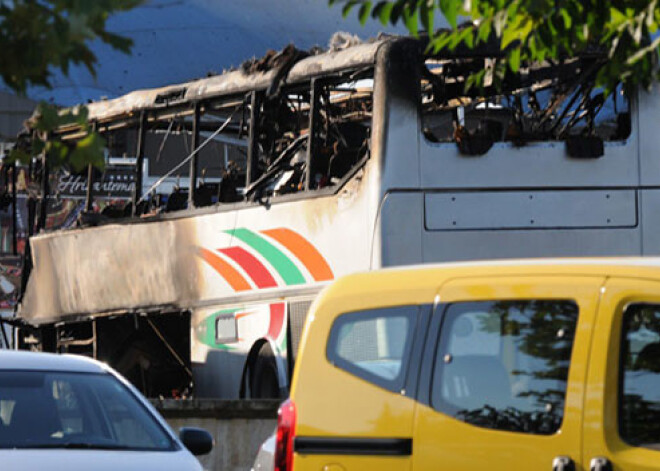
column 631, row 267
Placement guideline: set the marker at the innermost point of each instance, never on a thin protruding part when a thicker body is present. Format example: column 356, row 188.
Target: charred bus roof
column 289, row 65
column 444, row 76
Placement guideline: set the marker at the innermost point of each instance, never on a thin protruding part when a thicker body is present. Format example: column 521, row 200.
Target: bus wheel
column 263, row 381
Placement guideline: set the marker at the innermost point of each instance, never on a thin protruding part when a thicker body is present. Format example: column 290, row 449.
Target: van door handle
column 600, row 463
column 563, row 463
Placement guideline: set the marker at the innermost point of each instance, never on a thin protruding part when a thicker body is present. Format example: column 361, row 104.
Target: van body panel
column 371, row 413
column 339, row 412
column 602, row 412
column 442, row 440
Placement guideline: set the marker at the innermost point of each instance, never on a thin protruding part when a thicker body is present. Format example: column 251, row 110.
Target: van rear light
column 286, row 429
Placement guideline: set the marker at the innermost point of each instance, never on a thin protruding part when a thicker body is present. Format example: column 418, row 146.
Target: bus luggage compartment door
column 473, row 225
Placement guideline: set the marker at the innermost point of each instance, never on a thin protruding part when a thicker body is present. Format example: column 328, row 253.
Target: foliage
column 37, row 36
column 88, row 150
column 533, row 31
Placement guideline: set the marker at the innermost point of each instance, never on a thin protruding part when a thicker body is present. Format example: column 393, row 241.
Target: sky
column 180, row 40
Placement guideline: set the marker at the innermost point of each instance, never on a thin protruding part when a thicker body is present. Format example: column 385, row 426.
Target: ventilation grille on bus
column 297, row 314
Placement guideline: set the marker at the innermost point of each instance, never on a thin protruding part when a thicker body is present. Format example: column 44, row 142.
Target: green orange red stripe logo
column 280, row 262
column 258, row 273
column 252, row 266
column 276, row 320
column 304, row 251
column 229, row 273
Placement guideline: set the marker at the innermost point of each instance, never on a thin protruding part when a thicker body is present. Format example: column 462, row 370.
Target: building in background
column 14, row 110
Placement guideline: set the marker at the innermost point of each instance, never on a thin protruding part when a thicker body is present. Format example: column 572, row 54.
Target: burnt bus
column 256, row 188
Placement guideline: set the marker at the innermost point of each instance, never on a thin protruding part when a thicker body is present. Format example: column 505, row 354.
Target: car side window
column 504, row 364
column 68, row 407
column 374, row 345
column 639, row 386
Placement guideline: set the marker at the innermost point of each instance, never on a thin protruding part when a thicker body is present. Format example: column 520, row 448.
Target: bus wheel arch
column 264, row 372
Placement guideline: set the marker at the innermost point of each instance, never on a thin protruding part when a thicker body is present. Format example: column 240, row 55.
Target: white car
column 66, row 412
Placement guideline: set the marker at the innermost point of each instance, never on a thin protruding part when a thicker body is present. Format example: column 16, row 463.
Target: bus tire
column 264, row 383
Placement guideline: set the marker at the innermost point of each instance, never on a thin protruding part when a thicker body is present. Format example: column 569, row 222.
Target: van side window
column 374, row 345
column 504, row 364
column 639, row 388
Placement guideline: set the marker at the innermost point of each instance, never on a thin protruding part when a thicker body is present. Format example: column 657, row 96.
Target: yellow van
column 516, row 365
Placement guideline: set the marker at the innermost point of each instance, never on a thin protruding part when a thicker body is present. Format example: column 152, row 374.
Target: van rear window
column 374, row 345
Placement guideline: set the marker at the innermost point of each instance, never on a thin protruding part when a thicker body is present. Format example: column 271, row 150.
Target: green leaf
column 397, row 11
column 363, row 13
column 551, row 27
column 484, row 31
column 617, row 18
column 82, row 115
column 475, row 79
column 88, row 150
column 383, row 12
column 441, row 41
column 467, row 36
column 450, row 9
column 525, row 29
column 47, row 117
column 514, row 60
column 38, row 146
column 426, row 15
column 39, row 36
column 508, row 37
column 410, row 20
column 568, row 21
column 18, row 155
column 455, row 39
column 58, row 153
column 348, row 7
column 531, row 45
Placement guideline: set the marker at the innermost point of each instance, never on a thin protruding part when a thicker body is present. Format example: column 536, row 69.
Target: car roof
column 37, row 361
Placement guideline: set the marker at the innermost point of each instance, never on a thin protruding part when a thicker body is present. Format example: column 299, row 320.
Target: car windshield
column 75, row 410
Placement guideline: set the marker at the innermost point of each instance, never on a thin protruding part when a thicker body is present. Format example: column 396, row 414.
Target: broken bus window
column 545, row 102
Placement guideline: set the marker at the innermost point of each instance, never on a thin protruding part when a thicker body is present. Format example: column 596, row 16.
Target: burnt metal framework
column 257, row 86
column 553, row 100
column 145, row 348
column 161, row 117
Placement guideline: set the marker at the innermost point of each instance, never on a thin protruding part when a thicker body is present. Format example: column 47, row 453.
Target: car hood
column 98, row 460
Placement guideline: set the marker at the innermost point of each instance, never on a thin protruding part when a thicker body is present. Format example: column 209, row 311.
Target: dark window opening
column 223, row 130
column 639, row 389
column 323, row 124
column 546, row 102
column 151, row 351
column 504, row 365
column 337, row 114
